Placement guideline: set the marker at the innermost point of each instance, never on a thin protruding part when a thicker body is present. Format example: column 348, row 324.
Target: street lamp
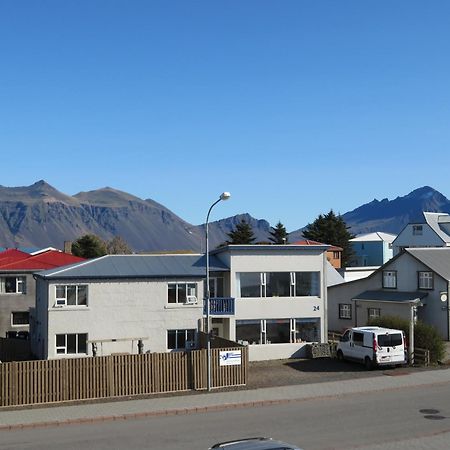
column 223, row 196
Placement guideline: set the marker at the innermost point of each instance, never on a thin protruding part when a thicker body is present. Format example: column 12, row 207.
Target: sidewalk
column 184, row 404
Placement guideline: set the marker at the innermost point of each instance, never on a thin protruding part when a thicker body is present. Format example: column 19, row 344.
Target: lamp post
column 223, row 196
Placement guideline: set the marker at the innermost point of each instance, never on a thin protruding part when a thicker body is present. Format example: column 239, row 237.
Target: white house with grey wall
column 414, row 283
column 270, row 297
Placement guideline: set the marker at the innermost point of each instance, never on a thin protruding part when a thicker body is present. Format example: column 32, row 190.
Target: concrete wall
column 119, row 310
column 16, row 303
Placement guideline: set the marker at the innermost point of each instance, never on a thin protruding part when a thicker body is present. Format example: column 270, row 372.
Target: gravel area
column 303, row 371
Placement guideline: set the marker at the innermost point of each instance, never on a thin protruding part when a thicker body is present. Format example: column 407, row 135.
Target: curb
column 140, row 415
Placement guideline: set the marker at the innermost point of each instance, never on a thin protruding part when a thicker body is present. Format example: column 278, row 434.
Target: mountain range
column 39, row 216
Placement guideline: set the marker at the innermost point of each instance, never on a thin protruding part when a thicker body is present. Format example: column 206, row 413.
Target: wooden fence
column 421, row 356
column 62, row 380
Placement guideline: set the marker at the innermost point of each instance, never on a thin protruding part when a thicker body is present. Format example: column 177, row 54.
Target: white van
column 373, row 346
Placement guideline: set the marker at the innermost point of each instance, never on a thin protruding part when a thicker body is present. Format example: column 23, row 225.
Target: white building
column 433, row 231
column 271, row 297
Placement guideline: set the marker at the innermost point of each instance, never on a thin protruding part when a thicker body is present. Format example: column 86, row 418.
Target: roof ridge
column 80, row 264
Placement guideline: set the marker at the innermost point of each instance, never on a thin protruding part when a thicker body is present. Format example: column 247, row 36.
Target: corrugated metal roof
column 437, row 259
column 376, row 236
column 138, row 266
column 391, row 296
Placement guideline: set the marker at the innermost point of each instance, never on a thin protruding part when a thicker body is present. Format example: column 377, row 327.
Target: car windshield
column 390, row 340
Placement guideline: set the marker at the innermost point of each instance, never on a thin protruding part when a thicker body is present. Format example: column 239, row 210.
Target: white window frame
column 345, row 311
column 370, row 312
column 389, row 279
column 21, row 283
column 62, row 301
column 425, row 280
column 191, row 291
column 64, row 347
column 293, row 284
column 20, row 324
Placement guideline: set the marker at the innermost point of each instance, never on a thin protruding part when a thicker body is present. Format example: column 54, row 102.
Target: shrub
column 425, row 336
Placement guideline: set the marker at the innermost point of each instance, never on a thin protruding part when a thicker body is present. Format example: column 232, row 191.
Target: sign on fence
column 230, row 358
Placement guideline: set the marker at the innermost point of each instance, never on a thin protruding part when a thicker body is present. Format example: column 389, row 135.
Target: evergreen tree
column 278, row 235
column 331, row 229
column 89, row 246
column 118, row 246
column 242, row 234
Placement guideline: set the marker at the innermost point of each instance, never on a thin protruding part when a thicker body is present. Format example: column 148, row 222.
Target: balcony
column 220, row 306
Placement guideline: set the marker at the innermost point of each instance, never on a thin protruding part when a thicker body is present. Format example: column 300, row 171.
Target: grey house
column 413, row 283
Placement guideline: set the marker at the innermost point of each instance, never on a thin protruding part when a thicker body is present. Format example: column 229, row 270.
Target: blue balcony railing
column 220, row 306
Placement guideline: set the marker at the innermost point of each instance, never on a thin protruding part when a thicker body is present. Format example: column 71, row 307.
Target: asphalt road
column 397, row 419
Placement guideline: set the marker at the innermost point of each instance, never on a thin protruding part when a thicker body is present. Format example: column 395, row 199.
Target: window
column 307, row 284
column 248, row 331
column 13, row 285
column 20, row 318
column 425, row 280
column 251, row 283
column 215, row 287
column 390, row 340
column 177, row 339
column 71, row 344
column 345, row 311
column 336, row 255
column 180, row 293
column 278, row 284
column 358, row 338
column 390, row 279
column 307, row 330
column 71, row 295
column 373, row 313
column 278, row 331
column 417, row 230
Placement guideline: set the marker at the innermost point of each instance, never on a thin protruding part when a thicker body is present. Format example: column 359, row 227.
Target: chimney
column 68, row 247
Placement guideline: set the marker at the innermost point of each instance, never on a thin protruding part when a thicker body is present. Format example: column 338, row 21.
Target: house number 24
column 316, row 308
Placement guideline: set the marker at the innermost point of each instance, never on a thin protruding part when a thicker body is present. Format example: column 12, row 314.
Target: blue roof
column 138, row 266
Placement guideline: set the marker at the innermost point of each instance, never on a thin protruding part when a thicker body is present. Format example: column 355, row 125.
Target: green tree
column 331, row 229
column 89, row 246
column 278, row 234
column 242, row 234
column 118, row 246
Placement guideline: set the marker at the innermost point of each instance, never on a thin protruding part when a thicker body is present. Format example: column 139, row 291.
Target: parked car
column 257, row 443
column 373, row 346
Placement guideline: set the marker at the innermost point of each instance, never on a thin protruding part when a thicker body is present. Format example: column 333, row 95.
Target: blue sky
column 295, row 107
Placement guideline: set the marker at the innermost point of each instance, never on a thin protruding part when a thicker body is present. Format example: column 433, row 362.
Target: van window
column 390, row 340
column 358, row 338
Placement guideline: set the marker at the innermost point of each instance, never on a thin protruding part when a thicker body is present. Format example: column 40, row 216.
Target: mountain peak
column 39, row 191
column 107, row 196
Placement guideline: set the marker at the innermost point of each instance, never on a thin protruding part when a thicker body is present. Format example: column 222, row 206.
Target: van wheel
column 368, row 363
column 340, row 355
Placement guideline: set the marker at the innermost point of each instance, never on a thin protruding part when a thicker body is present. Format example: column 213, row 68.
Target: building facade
column 269, row 297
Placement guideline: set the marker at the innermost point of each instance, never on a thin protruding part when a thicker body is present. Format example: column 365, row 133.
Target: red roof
column 309, row 242
column 41, row 261
column 12, row 255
